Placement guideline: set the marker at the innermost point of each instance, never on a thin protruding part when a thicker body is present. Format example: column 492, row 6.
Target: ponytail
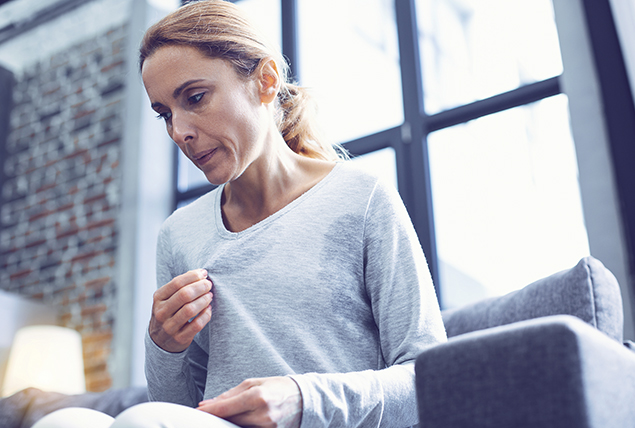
column 298, row 125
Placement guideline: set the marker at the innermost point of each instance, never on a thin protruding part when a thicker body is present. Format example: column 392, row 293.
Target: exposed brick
column 111, row 66
column 35, row 243
column 99, row 381
column 90, row 200
column 20, row 274
column 45, row 188
column 58, row 221
column 72, row 231
column 39, row 215
column 94, row 310
column 65, row 319
column 77, row 153
column 99, row 282
column 96, row 360
column 101, row 338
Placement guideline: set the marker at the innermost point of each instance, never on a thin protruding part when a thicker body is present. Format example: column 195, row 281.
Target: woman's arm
column 176, row 365
column 406, row 312
column 176, row 377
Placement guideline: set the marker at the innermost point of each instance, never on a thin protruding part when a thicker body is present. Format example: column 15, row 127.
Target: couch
column 549, row 355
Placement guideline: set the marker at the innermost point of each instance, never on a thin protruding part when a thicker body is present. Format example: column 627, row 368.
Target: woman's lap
column 75, row 417
column 156, row 414
column 146, row 415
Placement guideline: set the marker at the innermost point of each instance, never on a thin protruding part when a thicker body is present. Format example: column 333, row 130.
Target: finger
column 259, row 402
column 243, row 386
column 178, row 282
column 190, row 294
column 238, row 411
column 227, row 408
column 192, row 328
column 171, row 339
column 187, row 313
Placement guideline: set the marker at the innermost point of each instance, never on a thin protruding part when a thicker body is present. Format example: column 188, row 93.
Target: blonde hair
column 218, row 29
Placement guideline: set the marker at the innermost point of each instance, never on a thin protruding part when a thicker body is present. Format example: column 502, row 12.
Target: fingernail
column 203, row 274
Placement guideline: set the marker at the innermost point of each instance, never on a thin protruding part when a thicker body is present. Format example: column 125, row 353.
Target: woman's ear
column 268, row 81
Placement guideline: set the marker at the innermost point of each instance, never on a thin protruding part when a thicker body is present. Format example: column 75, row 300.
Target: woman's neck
column 269, row 184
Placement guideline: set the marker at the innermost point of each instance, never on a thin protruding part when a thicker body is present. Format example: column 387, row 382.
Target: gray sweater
column 332, row 290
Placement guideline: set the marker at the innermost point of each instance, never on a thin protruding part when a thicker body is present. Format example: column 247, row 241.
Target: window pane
column 348, row 56
column 473, row 49
column 506, row 201
column 264, row 14
column 382, row 163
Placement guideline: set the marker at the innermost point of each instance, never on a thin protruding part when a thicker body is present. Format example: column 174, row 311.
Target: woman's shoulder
column 350, row 188
column 375, row 190
column 353, row 178
column 349, row 173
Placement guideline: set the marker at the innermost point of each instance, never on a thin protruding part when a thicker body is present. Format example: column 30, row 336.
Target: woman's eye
column 164, row 116
column 194, row 99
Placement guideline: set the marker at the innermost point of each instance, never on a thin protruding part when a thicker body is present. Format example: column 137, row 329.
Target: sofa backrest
column 588, row 291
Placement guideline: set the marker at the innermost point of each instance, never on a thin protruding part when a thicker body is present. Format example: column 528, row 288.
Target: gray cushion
column 588, row 291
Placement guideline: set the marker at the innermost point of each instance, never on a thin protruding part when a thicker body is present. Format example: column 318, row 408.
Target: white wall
column 624, row 15
column 600, row 198
column 39, row 43
column 147, row 162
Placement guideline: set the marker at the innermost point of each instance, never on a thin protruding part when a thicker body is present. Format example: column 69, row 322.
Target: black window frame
column 409, row 140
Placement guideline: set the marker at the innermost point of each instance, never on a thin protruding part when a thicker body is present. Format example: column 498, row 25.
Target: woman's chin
column 216, row 179
column 216, row 182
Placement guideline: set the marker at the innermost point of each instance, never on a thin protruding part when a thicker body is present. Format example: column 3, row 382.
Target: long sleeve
column 333, row 290
column 174, row 377
column 406, row 312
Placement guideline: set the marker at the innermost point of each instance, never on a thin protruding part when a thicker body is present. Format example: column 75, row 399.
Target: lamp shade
column 48, row 358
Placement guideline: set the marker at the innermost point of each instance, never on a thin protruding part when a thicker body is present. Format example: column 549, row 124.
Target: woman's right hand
column 187, row 297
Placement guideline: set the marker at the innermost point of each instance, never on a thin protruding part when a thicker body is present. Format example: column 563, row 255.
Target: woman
column 296, row 292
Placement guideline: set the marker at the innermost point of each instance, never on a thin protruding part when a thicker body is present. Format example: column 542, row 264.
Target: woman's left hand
column 262, row 402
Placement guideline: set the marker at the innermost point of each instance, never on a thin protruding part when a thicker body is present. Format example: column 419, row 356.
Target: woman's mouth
column 203, row 157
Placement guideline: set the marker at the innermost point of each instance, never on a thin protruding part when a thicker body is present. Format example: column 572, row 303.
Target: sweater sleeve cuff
column 345, row 399
column 154, row 349
column 311, row 402
column 160, row 364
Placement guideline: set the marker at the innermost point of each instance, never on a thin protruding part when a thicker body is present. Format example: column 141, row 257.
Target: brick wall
column 58, row 220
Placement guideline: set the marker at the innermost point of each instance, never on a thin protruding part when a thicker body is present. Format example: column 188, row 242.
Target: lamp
column 45, row 357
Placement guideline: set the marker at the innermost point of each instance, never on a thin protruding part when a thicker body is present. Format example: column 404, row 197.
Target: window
column 460, row 105
column 506, row 200
column 351, row 65
column 505, row 196
column 472, row 50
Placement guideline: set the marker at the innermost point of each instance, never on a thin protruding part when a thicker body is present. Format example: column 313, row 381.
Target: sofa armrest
column 548, row 372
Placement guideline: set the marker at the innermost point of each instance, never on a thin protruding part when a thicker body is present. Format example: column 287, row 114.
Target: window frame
column 409, row 140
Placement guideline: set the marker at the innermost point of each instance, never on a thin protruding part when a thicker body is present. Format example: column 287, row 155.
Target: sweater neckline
column 224, row 233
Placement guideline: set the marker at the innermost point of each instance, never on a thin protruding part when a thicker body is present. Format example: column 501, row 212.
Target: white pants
column 146, row 415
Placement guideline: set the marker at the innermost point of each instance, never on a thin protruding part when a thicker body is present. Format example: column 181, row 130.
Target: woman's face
column 215, row 116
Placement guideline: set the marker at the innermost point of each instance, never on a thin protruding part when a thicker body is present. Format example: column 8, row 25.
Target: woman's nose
column 182, row 130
